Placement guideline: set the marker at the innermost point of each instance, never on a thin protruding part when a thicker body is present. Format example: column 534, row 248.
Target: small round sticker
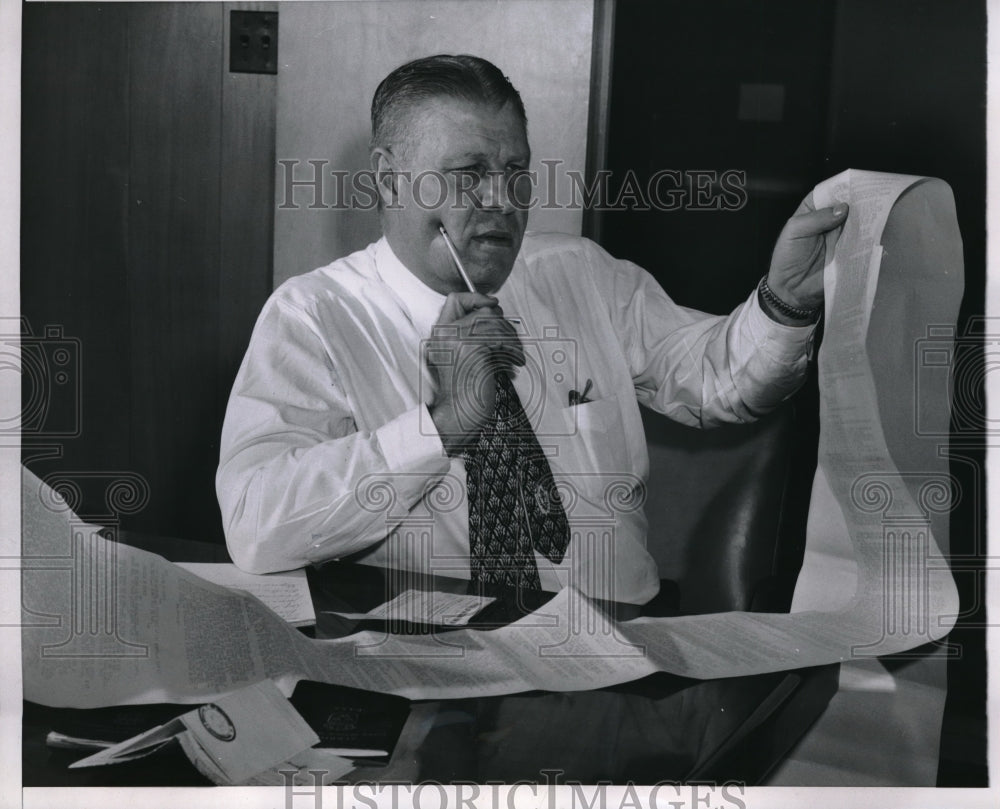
column 216, row 722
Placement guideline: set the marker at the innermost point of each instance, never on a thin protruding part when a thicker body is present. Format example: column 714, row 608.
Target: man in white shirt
column 356, row 423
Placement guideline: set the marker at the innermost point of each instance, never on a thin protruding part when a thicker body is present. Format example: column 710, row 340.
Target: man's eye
column 467, row 178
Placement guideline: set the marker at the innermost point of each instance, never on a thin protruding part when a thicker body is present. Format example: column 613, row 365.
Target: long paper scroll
column 107, row 624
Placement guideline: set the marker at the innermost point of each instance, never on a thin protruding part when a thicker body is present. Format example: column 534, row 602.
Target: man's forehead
column 467, row 128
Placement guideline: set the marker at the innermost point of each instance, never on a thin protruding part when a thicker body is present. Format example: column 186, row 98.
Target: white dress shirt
column 328, row 449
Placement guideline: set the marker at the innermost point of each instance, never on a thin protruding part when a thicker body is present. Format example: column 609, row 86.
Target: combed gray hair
column 464, row 77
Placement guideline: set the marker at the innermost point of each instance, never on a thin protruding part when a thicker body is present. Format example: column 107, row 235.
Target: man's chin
column 489, row 262
column 489, row 276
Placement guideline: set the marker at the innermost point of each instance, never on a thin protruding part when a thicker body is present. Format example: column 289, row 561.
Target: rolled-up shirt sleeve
column 701, row 369
column 292, row 458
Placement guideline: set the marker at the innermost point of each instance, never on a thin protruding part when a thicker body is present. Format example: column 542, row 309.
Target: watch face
column 216, row 722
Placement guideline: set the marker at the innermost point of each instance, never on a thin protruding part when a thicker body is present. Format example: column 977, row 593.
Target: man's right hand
column 470, row 342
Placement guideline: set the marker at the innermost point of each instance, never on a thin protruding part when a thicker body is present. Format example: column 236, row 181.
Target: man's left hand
column 796, row 273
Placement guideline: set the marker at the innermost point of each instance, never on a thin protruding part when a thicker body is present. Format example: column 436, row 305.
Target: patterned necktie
column 514, row 507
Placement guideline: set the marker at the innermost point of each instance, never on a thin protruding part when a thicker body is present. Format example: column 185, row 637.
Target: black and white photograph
column 497, row 403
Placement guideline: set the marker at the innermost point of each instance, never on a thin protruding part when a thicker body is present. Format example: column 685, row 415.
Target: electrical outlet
column 253, row 42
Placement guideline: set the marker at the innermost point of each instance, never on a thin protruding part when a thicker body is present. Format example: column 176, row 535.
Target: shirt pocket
column 596, row 447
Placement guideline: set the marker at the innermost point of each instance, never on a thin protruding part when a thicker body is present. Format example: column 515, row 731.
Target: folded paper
column 230, row 740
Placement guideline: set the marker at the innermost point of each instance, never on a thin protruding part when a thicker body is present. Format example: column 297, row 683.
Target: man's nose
column 496, row 193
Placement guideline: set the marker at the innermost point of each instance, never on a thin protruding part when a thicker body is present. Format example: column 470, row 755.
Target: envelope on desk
column 138, row 746
column 231, row 739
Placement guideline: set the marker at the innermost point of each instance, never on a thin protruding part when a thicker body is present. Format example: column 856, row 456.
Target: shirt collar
column 421, row 303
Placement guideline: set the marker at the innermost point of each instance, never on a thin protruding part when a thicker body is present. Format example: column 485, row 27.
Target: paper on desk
column 428, row 607
column 107, row 624
column 137, row 747
column 245, row 733
column 164, row 635
column 229, row 740
column 566, row 645
column 286, row 593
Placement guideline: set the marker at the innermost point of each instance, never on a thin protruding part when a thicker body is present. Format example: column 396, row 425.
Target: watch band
column 793, row 312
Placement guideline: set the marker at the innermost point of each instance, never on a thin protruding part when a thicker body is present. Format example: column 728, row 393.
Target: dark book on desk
column 359, row 724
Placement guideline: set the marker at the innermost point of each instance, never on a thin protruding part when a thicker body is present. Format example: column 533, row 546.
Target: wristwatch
column 769, row 300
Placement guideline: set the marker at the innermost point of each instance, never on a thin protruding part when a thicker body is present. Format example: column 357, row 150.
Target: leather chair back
column 716, row 504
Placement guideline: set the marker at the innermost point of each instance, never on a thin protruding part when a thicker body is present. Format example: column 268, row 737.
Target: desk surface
column 659, row 728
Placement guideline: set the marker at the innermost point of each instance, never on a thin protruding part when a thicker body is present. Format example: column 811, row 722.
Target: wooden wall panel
column 73, row 229
column 174, row 255
column 247, row 206
column 147, row 236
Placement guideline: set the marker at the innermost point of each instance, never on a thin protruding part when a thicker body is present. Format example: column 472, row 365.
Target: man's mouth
column 494, row 238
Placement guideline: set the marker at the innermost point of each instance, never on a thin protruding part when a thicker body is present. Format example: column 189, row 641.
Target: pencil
column 457, row 260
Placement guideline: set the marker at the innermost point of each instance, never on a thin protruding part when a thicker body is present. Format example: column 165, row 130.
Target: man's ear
column 383, row 166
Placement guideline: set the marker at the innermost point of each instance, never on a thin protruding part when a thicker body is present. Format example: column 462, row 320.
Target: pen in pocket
column 578, row 398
